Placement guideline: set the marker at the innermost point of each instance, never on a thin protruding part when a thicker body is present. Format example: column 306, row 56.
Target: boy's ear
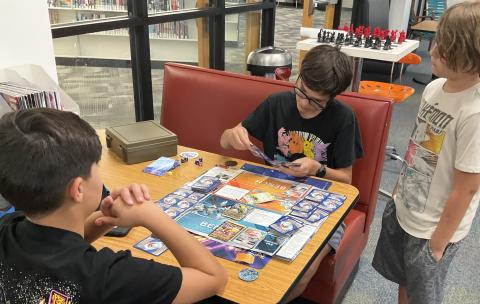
column 75, row 189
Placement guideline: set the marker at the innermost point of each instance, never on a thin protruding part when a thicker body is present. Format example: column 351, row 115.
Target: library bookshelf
column 170, row 41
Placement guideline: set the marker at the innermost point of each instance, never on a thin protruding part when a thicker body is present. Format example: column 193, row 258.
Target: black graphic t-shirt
column 332, row 137
column 40, row 264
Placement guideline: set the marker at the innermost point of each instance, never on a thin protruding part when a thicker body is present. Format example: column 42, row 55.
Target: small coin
column 230, row 163
column 248, row 274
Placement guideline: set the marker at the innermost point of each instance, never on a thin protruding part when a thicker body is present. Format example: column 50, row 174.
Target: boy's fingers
column 146, row 193
column 126, row 196
column 137, row 192
column 106, row 220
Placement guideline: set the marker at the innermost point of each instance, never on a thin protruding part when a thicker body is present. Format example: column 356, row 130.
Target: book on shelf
column 108, row 5
column 21, row 97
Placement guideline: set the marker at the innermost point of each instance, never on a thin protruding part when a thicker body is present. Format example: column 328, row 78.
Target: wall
column 399, row 14
column 25, row 34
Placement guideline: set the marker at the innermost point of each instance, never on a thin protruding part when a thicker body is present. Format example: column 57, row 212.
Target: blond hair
column 458, row 37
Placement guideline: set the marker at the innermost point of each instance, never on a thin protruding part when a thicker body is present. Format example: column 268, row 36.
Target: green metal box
column 141, row 141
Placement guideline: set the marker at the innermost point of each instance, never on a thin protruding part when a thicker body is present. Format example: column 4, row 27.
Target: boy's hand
column 307, row 167
column 239, row 139
column 119, row 213
column 437, row 249
column 133, row 193
column 130, row 195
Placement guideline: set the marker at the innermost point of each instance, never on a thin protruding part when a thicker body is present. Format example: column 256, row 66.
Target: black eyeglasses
column 315, row 102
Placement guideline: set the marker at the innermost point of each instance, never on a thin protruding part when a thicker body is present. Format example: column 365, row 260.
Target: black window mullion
column 268, row 26
column 141, row 63
column 216, row 29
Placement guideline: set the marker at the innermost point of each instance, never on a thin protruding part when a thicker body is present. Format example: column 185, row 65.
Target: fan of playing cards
column 257, row 152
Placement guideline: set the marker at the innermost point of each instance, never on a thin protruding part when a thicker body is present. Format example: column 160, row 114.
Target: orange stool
column 396, row 92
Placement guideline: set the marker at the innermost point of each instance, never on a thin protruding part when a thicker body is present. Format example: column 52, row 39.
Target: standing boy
column 309, row 127
column 437, row 193
column 49, row 170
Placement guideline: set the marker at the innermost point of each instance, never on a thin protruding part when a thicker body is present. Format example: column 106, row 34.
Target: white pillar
column 26, row 37
column 399, row 14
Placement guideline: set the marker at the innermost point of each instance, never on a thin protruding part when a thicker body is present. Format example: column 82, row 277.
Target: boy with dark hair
column 437, row 194
column 308, row 126
column 49, row 170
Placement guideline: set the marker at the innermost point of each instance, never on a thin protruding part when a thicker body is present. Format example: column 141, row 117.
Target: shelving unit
column 172, row 41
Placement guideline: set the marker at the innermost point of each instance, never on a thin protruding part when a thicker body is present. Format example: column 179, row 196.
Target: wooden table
column 359, row 53
column 275, row 280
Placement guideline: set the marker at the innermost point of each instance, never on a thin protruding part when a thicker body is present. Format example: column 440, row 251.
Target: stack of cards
column 271, row 243
column 308, row 211
column 206, row 184
column 316, row 195
column 237, row 211
column 161, row 166
column 286, row 225
column 151, row 245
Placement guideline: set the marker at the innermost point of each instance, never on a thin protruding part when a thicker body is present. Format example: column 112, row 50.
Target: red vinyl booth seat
column 199, row 104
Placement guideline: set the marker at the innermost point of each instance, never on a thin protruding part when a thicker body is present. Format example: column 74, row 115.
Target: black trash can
column 270, row 62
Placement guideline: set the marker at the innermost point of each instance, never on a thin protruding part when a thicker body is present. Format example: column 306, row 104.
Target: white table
column 359, row 53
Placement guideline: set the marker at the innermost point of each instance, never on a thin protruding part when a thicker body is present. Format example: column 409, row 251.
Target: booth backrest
column 198, row 104
column 373, row 116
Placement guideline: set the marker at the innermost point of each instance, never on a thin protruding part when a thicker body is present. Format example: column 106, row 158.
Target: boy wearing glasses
column 308, row 126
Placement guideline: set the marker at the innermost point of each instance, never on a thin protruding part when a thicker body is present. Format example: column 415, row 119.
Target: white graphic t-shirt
column 446, row 137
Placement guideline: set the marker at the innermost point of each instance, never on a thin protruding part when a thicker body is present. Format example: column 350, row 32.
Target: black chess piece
column 319, row 36
column 332, row 37
column 387, row 45
column 324, row 36
column 356, row 43
column 339, row 40
column 368, row 42
column 377, row 44
column 348, row 40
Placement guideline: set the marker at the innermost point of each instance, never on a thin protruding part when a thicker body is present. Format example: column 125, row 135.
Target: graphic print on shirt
column 298, row 142
column 421, row 157
column 18, row 287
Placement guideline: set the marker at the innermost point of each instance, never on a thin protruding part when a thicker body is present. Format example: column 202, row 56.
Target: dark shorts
column 408, row 261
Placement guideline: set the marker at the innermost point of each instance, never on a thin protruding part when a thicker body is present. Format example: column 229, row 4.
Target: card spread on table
column 226, row 231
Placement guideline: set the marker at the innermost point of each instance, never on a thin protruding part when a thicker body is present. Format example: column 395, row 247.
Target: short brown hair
column 326, row 70
column 41, row 152
column 458, row 37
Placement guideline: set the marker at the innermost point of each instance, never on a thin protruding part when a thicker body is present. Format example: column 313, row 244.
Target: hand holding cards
column 257, row 152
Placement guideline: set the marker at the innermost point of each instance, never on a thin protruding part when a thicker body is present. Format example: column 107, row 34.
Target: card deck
column 317, row 215
column 196, row 196
column 206, row 184
column 182, row 192
column 169, row 200
column 286, row 225
column 316, row 195
column 338, row 197
column 226, row 231
column 151, row 245
column 300, row 214
column 305, row 206
column 185, row 203
column 329, row 205
column 173, row 212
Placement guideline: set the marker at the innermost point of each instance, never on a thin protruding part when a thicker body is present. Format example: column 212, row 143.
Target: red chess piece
column 376, row 32
column 367, row 32
column 384, row 34
column 345, row 27
column 393, row 35
column 402, row 37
